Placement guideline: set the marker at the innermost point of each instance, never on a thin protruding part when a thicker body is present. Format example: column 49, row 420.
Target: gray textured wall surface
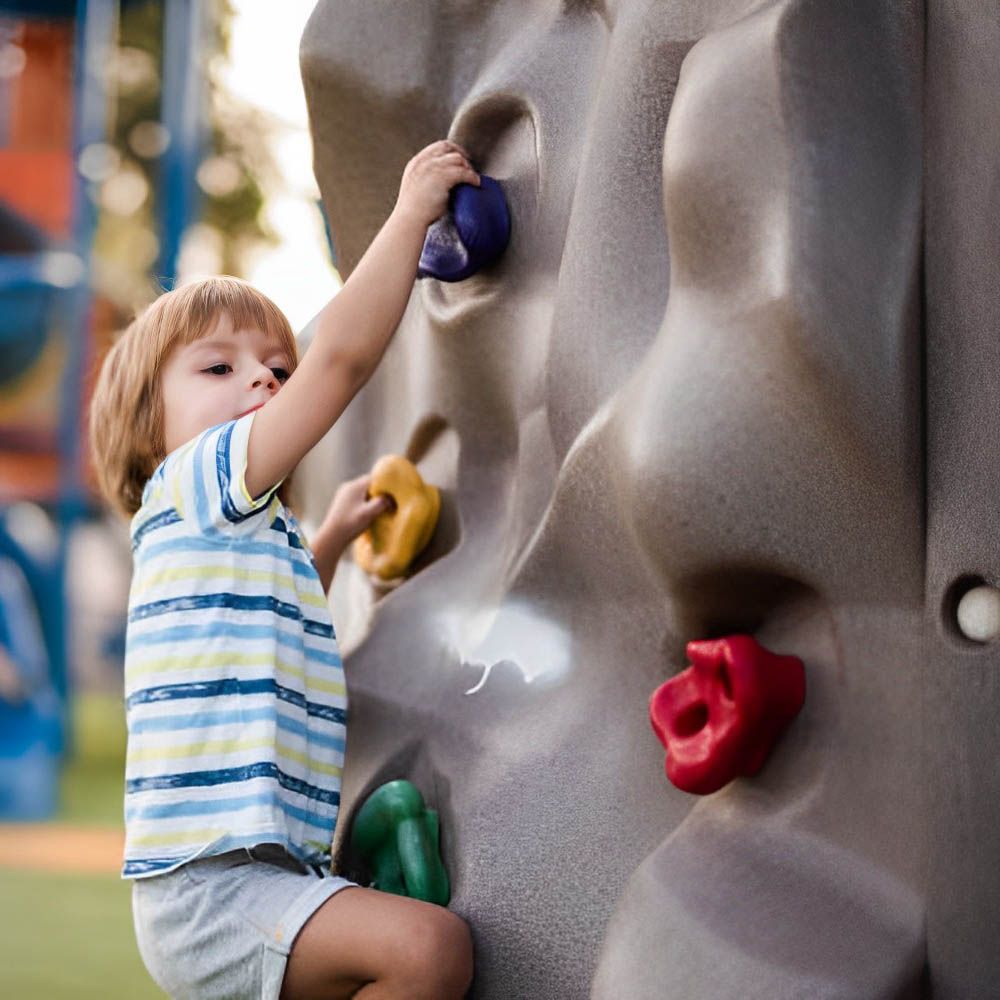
column 737, row 372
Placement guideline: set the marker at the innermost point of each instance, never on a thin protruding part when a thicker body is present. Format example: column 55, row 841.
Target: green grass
column 69, row 938
column 93, row 780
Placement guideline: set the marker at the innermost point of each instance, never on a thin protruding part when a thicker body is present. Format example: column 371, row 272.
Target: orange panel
column 28, row 477
column 42, row 105
column 39, row 185
column 36, row 165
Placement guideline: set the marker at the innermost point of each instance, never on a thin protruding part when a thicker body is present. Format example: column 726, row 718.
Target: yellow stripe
column 311, row 765
column 195, row 749
column 203, row 660
column 206, row 660
column 327, row 687
column 242, row 476
column 178, row 498
column 177, row 837
column 155, row 493
column 248, row 575
column 225, row 747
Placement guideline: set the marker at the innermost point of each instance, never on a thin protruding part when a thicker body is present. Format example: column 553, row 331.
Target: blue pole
column 96, row 28
column 183, row 114
column 96, row 32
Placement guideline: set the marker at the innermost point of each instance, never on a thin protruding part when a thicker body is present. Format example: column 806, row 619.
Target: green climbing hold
column 396, row 836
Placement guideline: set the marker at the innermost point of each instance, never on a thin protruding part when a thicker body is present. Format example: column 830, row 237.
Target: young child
column 235, row 697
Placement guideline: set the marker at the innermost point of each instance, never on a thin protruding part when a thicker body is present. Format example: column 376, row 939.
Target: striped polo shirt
column 234, row 689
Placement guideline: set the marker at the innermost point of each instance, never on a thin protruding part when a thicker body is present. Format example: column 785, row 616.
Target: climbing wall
column 733, row 377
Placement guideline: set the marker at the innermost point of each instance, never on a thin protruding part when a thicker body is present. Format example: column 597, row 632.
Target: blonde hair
column 126, row 410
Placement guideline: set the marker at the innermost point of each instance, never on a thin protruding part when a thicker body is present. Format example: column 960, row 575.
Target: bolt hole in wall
column 970, row 612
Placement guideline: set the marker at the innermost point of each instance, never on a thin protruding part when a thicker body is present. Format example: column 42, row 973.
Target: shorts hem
column 277, row 949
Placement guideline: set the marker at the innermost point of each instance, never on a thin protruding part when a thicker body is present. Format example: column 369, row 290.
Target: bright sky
column 264, row 70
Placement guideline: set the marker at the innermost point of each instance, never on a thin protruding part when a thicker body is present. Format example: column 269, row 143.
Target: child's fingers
column 451, row 161
column 358, row 487
column 448, row 152
column 458, row 172
column 454, row 145
column 441, row 147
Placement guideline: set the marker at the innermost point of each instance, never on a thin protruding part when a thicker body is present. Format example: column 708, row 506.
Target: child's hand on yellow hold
column 351, row 511
column 388, row 548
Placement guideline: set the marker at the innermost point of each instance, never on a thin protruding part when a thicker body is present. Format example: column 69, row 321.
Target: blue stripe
column 318, row 738
column 211, row 807
column 201, row 720
column 222, row 473
column 223, row 434
column 200, row 496
column 301, row 567
column 289, row 533
column 223, row 469
column 162, row 520
column 318, row 628
column 135, row 869
column 233, row 602
column 229, row 775
column 222, row 599
column 157, row 474
column 231, row 686
column 148, row 866
column 233, row 630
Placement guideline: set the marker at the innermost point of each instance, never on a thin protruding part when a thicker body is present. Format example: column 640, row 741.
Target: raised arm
column 356, row 326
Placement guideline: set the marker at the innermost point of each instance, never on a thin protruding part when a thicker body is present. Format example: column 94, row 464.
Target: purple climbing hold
column 473, row 234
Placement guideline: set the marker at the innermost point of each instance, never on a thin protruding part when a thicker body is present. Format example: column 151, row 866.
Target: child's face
column 222, row 376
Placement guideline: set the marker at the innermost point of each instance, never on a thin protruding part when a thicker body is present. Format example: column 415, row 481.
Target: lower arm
column 359, row 321
column 328, row 546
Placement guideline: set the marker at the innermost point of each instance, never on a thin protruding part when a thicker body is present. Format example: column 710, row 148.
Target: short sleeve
column 206, row 480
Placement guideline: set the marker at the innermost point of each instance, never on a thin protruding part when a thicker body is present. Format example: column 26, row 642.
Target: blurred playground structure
column 127, row 163
column 59, row 62
column 123, row 166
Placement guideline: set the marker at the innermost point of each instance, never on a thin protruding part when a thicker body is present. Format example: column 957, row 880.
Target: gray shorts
column 221, row 928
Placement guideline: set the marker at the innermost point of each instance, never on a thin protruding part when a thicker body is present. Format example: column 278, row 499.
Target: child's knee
column 457, row 945
column 442, row 957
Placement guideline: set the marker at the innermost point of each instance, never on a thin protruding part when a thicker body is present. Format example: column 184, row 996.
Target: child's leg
column 377, row 946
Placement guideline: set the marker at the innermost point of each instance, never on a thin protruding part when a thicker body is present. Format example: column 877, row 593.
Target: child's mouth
column 245, row 412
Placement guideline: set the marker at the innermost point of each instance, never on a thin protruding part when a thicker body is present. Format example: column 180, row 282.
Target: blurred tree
column 236, row 163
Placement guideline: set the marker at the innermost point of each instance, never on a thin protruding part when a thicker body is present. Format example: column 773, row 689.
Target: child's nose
column 265, row 377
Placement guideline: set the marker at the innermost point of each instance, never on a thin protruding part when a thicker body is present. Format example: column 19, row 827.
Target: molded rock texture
column 737, row 372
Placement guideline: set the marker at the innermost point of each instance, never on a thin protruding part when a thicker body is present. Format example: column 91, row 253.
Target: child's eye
column 219, row 369
column 280, row 374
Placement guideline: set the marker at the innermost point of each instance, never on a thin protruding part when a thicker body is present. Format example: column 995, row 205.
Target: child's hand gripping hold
column 429, row 178
column 356, row 326
column 350, row 513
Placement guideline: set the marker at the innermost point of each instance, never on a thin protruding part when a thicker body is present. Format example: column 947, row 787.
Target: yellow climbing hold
column 396, row 537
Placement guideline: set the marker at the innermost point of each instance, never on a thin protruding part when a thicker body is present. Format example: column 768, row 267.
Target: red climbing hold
column 719, row 718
